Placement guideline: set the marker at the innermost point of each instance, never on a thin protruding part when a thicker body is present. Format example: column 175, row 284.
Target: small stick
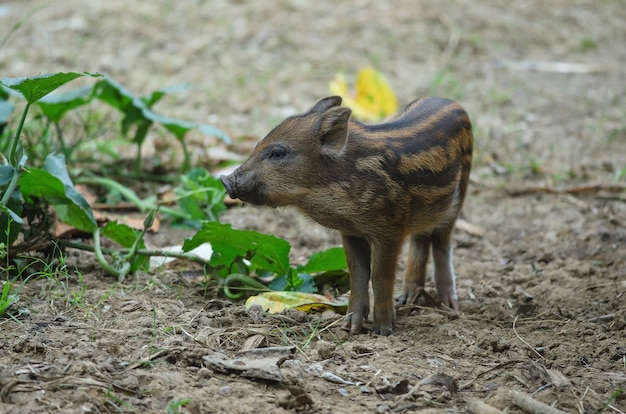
column 523, row 341
column 603, row 318
column 150, row 358
column 575, row 190
column 476, row 406
column 532, row 406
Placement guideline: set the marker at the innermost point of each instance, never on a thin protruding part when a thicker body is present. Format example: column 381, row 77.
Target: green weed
column 27, row 191
column 174, row 406
column 302, row 336
column 613, row 397
column 7, row 299
column 116, row 402
column 588, row 43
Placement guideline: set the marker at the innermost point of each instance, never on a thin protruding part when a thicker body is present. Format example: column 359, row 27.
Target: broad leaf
column 231, row 246
column 6, row 173
column 137, row 110
column 56, row 106
column 201, row 196
column 116, row 95
column 36, row 87
column 6, row 108
column 10, row 218
column 54, row 185
column 156, row 96
column 10, row 215
column 325, row 261
column 212, row 131
column 294, row 282
column 125, row 236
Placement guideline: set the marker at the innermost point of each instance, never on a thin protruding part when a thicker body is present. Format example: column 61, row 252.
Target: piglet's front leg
column 383, row 278
column 358, row 255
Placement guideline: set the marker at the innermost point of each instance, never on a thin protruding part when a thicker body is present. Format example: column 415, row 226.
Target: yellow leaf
column 373, row 99
column 276, row 302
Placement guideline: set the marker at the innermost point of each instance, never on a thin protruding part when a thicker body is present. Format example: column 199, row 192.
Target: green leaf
column 294, row 282
column 6, row 173
column 212, row 131
column 116, row 95
column 156, row 96
column 36, row 87
column 138, row 110
column 56, row 106
column 264, row 251
column 54, row 185
column 325, row 261
column 125, row 236
column 10, row 215
column 122, row 234
column 201, row 196
column 6, row 108
column 6, row 298
column 10, row 218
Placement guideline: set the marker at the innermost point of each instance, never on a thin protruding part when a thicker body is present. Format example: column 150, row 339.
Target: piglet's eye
column 277, row 153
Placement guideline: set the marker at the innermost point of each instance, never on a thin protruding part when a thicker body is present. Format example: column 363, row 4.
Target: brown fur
column 376, row 184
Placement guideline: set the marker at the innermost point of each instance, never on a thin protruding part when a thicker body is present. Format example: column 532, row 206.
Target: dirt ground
column 542, row 292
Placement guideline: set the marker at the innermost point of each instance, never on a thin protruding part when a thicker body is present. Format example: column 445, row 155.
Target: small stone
column 343, row 392
column 325, row 349
column 383, row 408
column 205, row 373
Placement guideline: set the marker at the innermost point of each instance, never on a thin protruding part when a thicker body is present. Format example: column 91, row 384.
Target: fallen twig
column 476, row 406
column 603, row 318
column 469, row 228
column 532, row 406
column 436, row 379
column 575, row 190
column 151, row 358
column 561, row 67
column 524, row 342
column 499, row 366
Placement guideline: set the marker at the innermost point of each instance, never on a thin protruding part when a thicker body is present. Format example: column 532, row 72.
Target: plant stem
column 61, row 140
column 247, row 283
column 10, row 188
column 187, row 159
column 126, row 192
column 131, row 196
column 119, row 273
column 139, row 252
column 16, row 137
column 146, row 226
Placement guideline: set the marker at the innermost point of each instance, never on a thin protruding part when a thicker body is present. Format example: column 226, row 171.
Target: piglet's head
column 294, row 158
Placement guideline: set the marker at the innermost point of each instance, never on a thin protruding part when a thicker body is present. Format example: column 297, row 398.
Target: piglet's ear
column 326, row 103
column 332, row 128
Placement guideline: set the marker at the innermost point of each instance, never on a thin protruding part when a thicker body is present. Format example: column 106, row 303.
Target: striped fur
column 376, row 184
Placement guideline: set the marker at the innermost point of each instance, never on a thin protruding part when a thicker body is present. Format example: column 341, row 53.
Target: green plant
column 51, row 184
column 613, row 397
column 174, row 406
column 302, row 336
column 26, row 193
column 238, row 253
column 588, row 42
column 116, row 402
column 7, row 299
column 138, row 114
column 200, row 197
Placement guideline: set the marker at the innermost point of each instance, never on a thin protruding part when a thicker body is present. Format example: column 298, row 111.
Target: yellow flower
column 373, row 100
